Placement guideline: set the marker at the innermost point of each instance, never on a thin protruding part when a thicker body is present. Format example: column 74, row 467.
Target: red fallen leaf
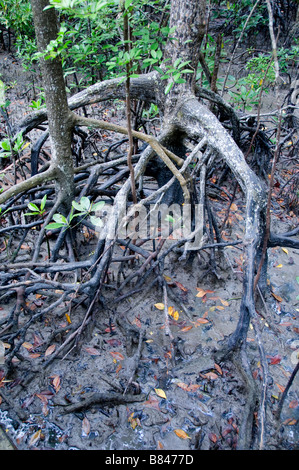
column 226, row 431
column 281, row 388
column 113, row 342
column 117, row 355
column 213, row 437
column 275, row 359
column 153, row 402
column 293, row 404
column 183, row 288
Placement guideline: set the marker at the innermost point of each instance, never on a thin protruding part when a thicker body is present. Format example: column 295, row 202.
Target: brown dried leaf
column 85, row 426
column 50, row 350
column 93, row 351
column 35, row 438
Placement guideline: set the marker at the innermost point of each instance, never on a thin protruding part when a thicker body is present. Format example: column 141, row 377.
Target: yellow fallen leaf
column 173, row 313
column 279, row 266
column 285, row 250
column 160, row 392
column 68, row 318
column 201, row 292
column 181, row 434
column 27, row 345
column 234, row 207
column 159, row 306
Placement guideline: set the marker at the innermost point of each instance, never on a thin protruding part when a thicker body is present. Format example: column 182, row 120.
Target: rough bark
column 58, row 113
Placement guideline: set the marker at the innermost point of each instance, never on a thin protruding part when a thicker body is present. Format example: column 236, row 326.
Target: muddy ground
column 187, row 400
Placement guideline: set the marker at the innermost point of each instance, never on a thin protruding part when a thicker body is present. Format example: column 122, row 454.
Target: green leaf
column 168, row 88
column 85, row 203
column 33, row 207
column 53, row 225
column 60, row 219
column 77, row 206
column 98, row 205
column 96, row 221
column 5, row 145
column 43, row 203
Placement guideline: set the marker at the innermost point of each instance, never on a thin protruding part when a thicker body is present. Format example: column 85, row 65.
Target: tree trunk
column 59, row 115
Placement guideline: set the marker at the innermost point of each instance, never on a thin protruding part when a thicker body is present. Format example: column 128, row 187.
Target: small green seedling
column 85, row 208
column 35, row 209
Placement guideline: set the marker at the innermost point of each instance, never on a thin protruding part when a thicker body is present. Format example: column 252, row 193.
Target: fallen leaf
column 210, row 376
column 224, row 302
column 181, row 434
column 183, row 386
column 213, row 437
column 27, row 345
column 117, row 355
column 234, row 207
column 173, row 313
column 293, row 404
column 277, row 297
column 92, row 351
column 50, row 350
column 152, row 402
column 183, row 288
column 159, row 445
column 278, row 266
column 68, row 318
column 201, row 321
column 290, row 421
column 285, row 250
column 85, row 426
column 56, row 383
column 186, row 328
column 275, row 359
column 134, row 422
column 33, row 355
column 201, row 292
column 160, row 392
column 281, row 388
column 35, row 438
column 159, row 306
column 218, row 368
